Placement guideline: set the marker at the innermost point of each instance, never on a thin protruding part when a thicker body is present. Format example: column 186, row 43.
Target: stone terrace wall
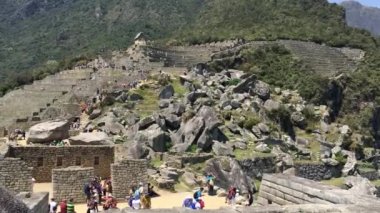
column 126, row 174
column 68, row 183
column 283, row 189
column 15, row 175
column 317, row 171
column 44, row 159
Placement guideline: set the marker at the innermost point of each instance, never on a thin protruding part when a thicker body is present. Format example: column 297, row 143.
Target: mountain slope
column 314, row 20
column 362, row 17
column 37, row 30
column 33, row 32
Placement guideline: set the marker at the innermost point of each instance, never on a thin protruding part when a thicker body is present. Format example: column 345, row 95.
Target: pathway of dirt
column 167, row 200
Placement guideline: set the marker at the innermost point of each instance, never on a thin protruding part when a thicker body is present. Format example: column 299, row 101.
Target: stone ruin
column 126, row 174
column 285, row 190
column 15, row 175
column 69, row 182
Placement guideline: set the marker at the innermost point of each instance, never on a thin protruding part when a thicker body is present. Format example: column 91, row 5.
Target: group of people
column 17, row 134
column 97, row 193
column 140, row 197
column 65, row 206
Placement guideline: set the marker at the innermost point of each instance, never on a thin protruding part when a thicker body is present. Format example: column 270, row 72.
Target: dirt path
column 167, row 200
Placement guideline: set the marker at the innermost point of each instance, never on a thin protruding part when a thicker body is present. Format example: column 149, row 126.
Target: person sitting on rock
column 151, row 191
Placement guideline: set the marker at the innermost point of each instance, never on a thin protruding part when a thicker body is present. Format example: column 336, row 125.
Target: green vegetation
column 338, row 182
column 275, row 65
column 149, row 104
column 250, row 153
column 156, row 162
column 192, row 149
column 315, row 148
column 178, row 88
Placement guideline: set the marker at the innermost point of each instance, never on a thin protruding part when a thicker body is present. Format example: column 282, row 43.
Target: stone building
column 126, row 174
column 68, row 183
column 140, row 39
column 15, row 175
column 44, row 159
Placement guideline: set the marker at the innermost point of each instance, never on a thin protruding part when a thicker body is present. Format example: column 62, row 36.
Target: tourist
column 92, row 206
column 230, row 199
column 87, row 191
column 53, row 206
column 198, row 193
column 63, row 206
column 109, row 188
column 151, row 192
column 210, row 184
column 70, row 206
column 188, row 203
column 110, row 202
column 250, row 198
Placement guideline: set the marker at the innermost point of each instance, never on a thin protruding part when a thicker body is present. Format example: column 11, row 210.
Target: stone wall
column 317, row 171
column 283, row 189
column 44, row 159
column 126, row 174
column 15, row 175
column 36, row 202
column 256, row 167
column 68, row 183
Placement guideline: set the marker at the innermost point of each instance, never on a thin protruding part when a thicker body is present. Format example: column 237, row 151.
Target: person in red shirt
column 63, row 206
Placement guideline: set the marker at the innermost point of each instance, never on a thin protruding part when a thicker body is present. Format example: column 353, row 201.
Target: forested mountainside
column 362, row 17
column 41, row 37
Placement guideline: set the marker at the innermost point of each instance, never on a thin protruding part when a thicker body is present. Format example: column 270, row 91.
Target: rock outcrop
column 47, row 132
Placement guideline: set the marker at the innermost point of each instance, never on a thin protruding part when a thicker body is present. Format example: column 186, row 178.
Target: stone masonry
column 44, row 159
column 15, row 175
column 280, row 189
column 68, row 183
column 126, row 174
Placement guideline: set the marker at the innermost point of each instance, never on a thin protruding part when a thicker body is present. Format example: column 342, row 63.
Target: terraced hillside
column 324, row 60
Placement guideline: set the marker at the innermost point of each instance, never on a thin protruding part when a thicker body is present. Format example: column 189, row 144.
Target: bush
column 250, row 122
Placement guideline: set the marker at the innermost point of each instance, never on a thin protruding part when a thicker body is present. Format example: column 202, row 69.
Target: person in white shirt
column 53, row 206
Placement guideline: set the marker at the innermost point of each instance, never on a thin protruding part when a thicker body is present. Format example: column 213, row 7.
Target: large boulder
column 227, row 173
column 245, row 85
column 137, row 150
column 166, row 92
column 172, row 121
column 91, row 138
column 154, row 137
column 188, row 134
column 221, row 149
column 262, row 90
column 360, row 186
column 49, row 131
column 350, row 166
column 110, row 124
column 146, row 122
column 193, row 96
column 271, row 105
column 298, row 119
column 95, row 113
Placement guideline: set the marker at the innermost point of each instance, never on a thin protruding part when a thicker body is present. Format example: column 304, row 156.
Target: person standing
column 63, row 206
column 70, row 206
column 53, row 206
column 250, row 198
